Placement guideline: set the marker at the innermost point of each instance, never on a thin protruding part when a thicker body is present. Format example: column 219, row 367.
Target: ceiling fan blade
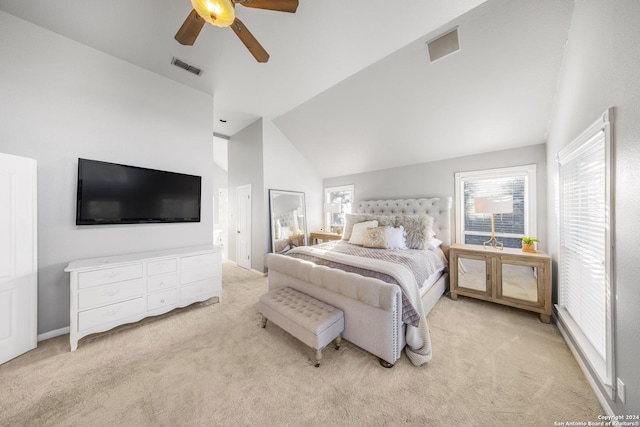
column 188, row 33
column 278, row 5
column 249, row 41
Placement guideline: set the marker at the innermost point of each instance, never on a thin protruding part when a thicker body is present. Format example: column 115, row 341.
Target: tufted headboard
column 289, row 219
column 438, row 207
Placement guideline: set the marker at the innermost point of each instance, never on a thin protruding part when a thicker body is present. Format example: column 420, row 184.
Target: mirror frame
column 273, row 194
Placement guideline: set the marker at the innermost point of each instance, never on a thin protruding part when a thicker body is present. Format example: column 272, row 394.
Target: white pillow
column 395, row 238
column 433, row 243
column 360, row 230
column 285, row 232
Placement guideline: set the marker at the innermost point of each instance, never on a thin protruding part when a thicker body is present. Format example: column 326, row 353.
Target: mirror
column 520, row 282
column 472, row 274
column 288, row 220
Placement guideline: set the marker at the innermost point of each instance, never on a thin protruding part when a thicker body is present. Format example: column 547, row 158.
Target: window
column 337, row 202
column 585, row 301
column 517, row 182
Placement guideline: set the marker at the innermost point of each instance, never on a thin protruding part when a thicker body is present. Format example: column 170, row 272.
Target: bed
column 375, row 310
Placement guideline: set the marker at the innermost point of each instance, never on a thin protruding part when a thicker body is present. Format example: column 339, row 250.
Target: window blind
column 582, row 227
column 585, row 303
column 506, row 225
column 516, row 182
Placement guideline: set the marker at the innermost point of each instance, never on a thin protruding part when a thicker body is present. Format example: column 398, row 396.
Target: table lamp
column 330, row 209
column 493, row 205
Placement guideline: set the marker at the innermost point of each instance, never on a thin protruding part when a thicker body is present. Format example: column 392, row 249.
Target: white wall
column 61, row 100
column 436, row 179
column 245, row 167
column 286, row 169
column 600, row 70
column 220, row 180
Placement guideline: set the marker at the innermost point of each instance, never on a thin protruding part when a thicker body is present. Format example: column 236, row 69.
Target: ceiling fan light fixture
column 220, row 13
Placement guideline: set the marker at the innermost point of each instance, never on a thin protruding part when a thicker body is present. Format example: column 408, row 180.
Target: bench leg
column 264, row 321
column 318, row 357
column 385, row 364
column 338, row 342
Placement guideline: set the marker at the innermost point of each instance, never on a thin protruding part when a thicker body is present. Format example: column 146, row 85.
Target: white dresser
column 107, row 292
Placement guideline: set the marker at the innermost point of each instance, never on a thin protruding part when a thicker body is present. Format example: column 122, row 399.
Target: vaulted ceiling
column 350, row 82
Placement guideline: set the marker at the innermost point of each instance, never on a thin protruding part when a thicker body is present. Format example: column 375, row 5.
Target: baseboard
column 228, row 261
column 53, row 334
column 259, row 272
column 592, row 381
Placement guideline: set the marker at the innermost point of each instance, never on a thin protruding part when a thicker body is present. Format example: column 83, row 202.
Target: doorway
column 223, row 222
column 243, row 235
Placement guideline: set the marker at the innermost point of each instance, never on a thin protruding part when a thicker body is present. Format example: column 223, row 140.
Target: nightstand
column 296, row 240
column 510, row 277
column 324, row 236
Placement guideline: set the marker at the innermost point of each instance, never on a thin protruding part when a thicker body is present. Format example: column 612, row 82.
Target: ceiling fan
column 221, row 13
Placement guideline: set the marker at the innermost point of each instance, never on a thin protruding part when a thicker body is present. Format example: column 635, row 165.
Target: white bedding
column 431, row 280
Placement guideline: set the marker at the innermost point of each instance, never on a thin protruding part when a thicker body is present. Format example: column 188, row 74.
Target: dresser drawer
column 161, row 267
column 109, row 294
column 109, row 275
column 199, row 260
column 162, row 299
column 196, row 274
column 110, row 313
column 166, row 281
column 198, row 289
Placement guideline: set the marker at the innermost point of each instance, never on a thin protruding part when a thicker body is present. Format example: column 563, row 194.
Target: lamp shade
column 332, row 207
column 493, row 205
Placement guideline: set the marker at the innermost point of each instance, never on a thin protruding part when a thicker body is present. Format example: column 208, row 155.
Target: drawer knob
column 162, row 300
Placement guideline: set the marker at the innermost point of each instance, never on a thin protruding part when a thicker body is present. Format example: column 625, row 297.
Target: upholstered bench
column 313, row 322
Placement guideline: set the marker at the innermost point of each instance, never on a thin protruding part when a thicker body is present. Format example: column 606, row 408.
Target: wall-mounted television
column 110, row 193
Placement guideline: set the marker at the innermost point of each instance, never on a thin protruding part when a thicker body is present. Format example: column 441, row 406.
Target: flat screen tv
column 110, row 193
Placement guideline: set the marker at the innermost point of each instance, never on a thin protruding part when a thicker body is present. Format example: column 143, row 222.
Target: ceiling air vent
column 190, row 68
column 443, row 45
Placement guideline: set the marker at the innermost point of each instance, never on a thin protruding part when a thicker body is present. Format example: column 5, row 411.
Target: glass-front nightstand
column 510, row 277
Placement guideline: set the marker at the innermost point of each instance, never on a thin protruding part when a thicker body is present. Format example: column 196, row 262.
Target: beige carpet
column 212, row 364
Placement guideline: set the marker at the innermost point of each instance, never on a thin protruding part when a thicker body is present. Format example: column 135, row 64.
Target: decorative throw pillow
column 434, row 243
column 359, row 230
column 395, row 238
column 349, row 221
column 375, row 237
column 418, row 228
column 384, row 220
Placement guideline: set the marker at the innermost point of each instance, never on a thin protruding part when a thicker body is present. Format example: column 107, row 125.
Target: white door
column 18, row 256
column 243, row 236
